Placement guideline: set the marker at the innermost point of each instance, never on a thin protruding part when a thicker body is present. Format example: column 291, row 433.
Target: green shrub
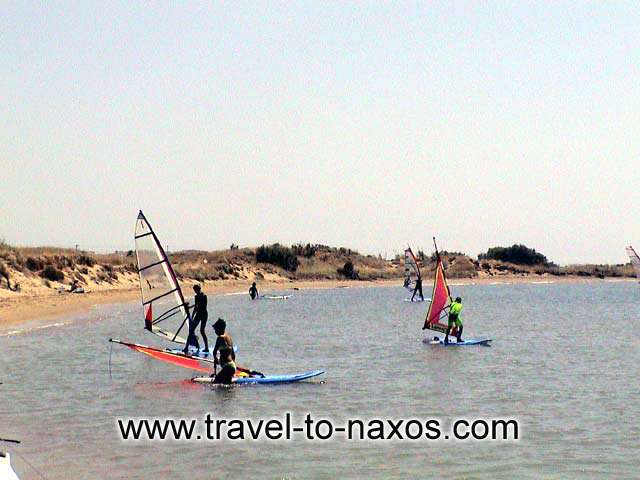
column 4, row 273
column 518, row 254
column 349, row 271
column 347, row 251
column 86, row 260
column 279, row 255
column 308, row 250
column 34, row 264
column 52, row 273
column 446, row 254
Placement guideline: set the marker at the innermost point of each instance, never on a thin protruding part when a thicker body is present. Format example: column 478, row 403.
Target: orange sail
column 437, row 315
column 178, row 359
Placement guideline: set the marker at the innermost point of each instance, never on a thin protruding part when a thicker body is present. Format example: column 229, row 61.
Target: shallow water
column 564, row 362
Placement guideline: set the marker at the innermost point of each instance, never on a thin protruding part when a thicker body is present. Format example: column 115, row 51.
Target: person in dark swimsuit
column 200, row 314
column 418, row 289
column 223, row 355
column 199, row 317
column 253, row 291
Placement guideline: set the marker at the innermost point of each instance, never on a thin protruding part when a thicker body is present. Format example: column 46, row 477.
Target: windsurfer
column 199, row 317
column 200, row 313
column 253, row 291
column 454, row 320
column 224, row 350
column 418, row 289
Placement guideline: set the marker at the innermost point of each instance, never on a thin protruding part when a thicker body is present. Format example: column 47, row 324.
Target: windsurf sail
column 6, row 472
column 438, row 313
column 635, row 260
column 178, row 359
column 411, row 270
column 165, row 311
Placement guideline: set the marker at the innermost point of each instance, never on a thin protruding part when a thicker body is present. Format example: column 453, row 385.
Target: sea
column 563, row 365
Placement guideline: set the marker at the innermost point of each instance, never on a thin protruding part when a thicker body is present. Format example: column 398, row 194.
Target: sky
column 369, row 125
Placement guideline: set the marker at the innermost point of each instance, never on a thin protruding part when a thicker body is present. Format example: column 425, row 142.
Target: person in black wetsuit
column 253, row 291
column 199, row 317
column 223, row 355
column 418, row 289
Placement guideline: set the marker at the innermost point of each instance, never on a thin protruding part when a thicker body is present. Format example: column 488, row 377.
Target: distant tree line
column 279, row 255
column 445, row 254
column 518, row 254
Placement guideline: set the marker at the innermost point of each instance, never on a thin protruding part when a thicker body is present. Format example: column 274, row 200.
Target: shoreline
column 23, row 309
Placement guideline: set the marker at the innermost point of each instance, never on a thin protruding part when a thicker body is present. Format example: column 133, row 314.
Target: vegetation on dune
column 52, row 273
column 279, row 255
column 308, row 250
column 4, row 273
column 302, row 261
column 516, row 254
column 50, row 264
column 348, row 271
column 444, row 254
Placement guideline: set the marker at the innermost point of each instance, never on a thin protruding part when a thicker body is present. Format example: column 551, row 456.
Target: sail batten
column 162, row 298
column 143, row 234
column 159, row 297
column 150, row 266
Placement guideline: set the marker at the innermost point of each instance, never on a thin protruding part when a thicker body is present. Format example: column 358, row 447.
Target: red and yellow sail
column 191, row 362
column 437, row 315
column 178, row 359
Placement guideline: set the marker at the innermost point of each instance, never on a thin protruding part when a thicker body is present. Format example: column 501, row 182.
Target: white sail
column 635, row 260
column 165, row 311
column 411, row 270
column 6, row 472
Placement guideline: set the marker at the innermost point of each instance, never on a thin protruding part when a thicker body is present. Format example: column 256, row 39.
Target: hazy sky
column 364, row 124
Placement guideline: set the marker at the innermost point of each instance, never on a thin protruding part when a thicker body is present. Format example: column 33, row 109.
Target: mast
column 444, row 275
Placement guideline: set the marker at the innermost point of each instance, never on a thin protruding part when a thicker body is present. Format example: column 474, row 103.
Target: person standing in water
column 200, row 314
column 454, row 319
column 418, row 288
column 223, row 354
column 253, row 291
column 198, row 317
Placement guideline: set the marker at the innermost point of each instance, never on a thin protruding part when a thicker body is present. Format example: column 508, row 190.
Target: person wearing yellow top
column 454, row 319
